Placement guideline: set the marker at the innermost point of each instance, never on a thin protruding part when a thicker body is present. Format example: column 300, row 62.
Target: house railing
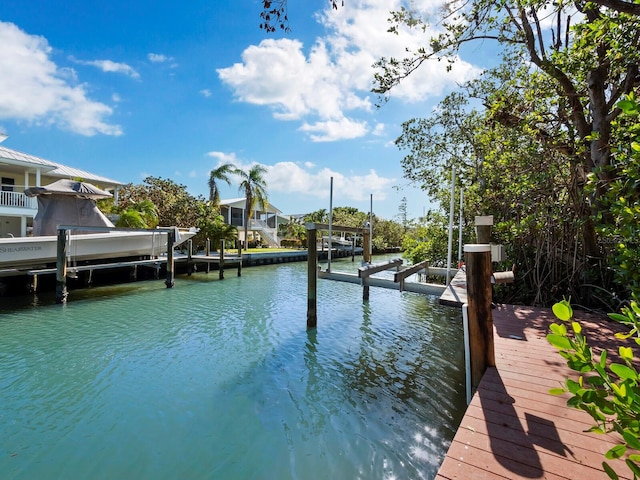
column 269, row 234
column 17, row 199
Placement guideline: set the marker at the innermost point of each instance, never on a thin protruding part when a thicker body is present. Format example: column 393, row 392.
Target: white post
column 467, row 356
column 451, row 209
column 460, row 224
column 330, row 223
column 371, row 226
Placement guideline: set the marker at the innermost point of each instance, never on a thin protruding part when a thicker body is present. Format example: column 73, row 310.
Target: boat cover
column 67, row 202
column 69, row 187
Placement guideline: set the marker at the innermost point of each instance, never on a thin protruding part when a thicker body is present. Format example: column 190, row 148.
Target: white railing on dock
column 17, row 199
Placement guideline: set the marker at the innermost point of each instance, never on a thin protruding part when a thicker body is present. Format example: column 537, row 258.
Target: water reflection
column 221, row 379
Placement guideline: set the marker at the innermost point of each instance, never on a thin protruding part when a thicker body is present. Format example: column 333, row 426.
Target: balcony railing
column 17, row 199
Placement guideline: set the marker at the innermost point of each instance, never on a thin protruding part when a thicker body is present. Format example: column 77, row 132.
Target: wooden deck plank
column 513, row 427
column 455, row 294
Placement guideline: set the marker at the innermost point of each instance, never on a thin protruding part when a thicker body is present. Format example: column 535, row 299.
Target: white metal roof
column 18, row 158
column 53, row 169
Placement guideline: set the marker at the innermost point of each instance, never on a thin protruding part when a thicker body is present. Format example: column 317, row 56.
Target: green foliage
column 291, row 243
column 213, row 227
column 621, row 222
column 387, row 234
column 549, row 120
column 295, row 233
column 254, row 187
column 428, row 242
column 173, row 204
column 319, row 216
column 608, row 391
column 221, row 173
column 142, row 214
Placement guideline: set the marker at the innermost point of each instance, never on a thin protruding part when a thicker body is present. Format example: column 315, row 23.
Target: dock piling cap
column 477, row 247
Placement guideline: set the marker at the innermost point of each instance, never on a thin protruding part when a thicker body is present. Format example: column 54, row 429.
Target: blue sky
column 172, row 89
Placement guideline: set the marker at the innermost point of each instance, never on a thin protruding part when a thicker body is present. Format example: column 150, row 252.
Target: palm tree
column 220, row 173
column 254, row 187
column 142, row 214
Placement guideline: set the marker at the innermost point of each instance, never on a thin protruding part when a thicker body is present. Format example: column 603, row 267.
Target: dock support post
column 190, row 266
column 61, row 267
column 221, row 272
column 170, row 281
column 207, row 252
column 366, row 246
column 32, row 286
column 478, row 261
column 312, row 278
column 239, row 245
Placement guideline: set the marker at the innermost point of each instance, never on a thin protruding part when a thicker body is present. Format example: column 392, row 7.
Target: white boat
column 33, row 252
column 68, row 202
column 338, row 242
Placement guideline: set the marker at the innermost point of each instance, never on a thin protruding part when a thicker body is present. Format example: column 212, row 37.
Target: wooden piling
column 170, row 281
column 312, row 278
column 190, row 265
column 61, row 267
column 366, row 249
column 207, row 252
column 481, row 349
column 239, row 246
column 221, row 271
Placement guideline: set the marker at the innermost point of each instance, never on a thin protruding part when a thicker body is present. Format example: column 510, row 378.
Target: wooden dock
column 455, row 295
column 513, row 427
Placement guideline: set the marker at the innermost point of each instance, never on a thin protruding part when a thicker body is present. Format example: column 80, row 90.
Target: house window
column 7, row 184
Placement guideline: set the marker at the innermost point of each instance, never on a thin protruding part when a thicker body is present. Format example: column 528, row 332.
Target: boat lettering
column 29, row 248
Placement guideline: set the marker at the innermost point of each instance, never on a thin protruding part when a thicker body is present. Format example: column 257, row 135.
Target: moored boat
column 93, row 236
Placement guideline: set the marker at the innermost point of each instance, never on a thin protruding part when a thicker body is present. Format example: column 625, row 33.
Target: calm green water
column 221, row 380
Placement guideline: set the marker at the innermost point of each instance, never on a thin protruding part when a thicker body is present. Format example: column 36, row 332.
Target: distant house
column 263, row 225
column 19, row 171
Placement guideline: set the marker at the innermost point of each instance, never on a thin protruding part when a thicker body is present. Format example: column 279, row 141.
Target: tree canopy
column 536, row 137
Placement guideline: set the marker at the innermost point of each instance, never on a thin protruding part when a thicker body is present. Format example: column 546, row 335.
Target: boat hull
column 24, row 252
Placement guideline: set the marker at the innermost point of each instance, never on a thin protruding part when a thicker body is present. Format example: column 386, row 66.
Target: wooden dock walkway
column 513, row 427
column 455, row 294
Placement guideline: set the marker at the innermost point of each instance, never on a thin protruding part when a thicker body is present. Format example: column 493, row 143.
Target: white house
column 19, row 171
column 263, row 223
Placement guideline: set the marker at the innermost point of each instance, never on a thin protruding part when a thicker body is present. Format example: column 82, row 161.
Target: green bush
column 290, row 243
column 609, row 392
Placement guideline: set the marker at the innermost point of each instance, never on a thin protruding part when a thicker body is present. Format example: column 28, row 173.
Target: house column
column 38, row 178
column 23, row 226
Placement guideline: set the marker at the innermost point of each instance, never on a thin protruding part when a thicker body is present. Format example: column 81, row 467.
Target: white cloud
column 224, row 157
column 158, row 58
column 330, row 85
column 303, row 179
column 34, row 89
column 330, row 131
column 110, row 66
column 379, row 130
column 300, row 179
column 161, row 58
column 276, row 73
column 116, row 98
column 205, row 92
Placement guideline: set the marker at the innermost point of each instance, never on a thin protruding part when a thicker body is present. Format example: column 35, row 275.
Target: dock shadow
column 513, row 447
